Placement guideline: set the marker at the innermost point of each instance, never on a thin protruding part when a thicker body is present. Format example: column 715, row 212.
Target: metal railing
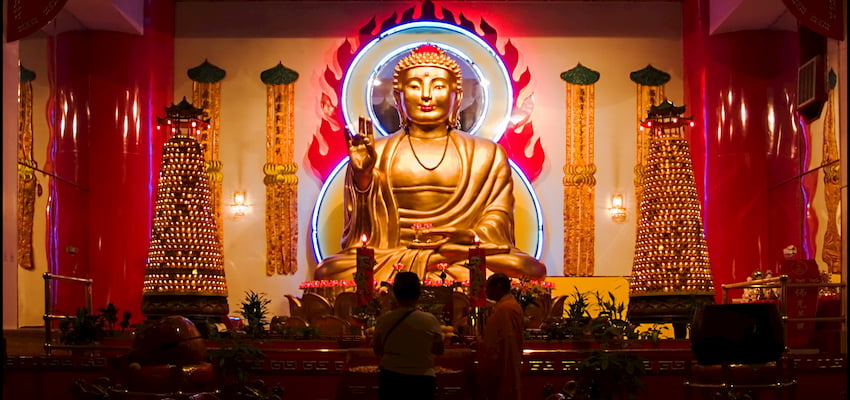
column 49, row 315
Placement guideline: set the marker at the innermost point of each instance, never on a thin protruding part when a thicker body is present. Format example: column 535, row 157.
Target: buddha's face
column 426, row 96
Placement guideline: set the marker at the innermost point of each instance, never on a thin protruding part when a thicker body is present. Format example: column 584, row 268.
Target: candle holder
column 397, row 267
column 477, row 320
column 477, row 266
column 416, row 227
column 364, row 273
column 419, row 228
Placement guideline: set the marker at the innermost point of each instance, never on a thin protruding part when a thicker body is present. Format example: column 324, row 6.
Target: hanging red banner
column 25, row 17
column 825, row 17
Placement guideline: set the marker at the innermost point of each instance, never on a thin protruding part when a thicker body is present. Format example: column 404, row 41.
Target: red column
column 748, row 145
column 68, row 158
column 107, row 89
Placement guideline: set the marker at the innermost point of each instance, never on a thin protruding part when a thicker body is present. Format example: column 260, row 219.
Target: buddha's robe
column 500, row 351
column 470, row 188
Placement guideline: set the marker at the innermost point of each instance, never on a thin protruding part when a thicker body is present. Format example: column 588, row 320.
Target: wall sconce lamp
column 240, row 204
column 617, row 211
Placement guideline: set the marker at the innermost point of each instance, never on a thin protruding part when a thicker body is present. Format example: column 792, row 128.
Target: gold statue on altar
column 425, row 195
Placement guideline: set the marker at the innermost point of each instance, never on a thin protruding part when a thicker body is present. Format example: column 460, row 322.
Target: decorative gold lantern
column 671, row 275
column 184, row 274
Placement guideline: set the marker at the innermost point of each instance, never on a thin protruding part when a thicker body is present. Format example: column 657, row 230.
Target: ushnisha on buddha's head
column 427, row 87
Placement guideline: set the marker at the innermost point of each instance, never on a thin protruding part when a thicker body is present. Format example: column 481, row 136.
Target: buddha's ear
column 454, row 120
column 398, row 106
column 397, row 99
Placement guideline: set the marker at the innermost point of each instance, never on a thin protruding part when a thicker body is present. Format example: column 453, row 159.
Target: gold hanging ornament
column 832, row 184
column 206, row 94
column 579, row 169
column 28, row 186
column 650, row 92
column 279, row 170
column 184, row 274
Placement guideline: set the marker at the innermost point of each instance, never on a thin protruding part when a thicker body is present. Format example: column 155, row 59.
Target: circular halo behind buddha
column 428, row 193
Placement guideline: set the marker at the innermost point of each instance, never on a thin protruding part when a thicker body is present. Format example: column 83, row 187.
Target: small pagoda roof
column 665, row 110
column 183, row 110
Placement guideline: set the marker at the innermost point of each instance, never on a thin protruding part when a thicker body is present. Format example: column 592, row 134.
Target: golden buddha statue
column 424, row 195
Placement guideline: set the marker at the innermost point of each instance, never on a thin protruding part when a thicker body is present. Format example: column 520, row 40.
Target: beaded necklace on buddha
column 412, row 149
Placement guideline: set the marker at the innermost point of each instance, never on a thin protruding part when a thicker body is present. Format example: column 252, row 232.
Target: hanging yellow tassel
column 279, row 170
column 650, row 92
column 579, row 170
column 206, row 95
column 27, row 184
column 832, row 185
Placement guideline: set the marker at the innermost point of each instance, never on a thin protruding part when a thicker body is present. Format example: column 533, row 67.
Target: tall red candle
column 477, row 275
column 364, row 274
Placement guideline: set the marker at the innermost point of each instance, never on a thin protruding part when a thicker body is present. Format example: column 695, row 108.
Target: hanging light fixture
column 239, row 207
column 617, row 211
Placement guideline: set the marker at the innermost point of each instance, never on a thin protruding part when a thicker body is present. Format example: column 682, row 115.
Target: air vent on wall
column 811, row 88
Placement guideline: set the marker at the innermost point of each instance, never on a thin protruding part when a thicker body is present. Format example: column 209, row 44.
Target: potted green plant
column 86, row 328
column 611, row 323
column 233, row 363
column 577, row 308
column 652, row 334
column 254, row 310
column 83, row 329
column 108, row 318
column 607, row 375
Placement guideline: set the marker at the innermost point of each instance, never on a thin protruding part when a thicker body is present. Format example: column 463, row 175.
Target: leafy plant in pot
column 86, row 328
column 605, row 373
column 611, row 323
column 254, row 310
column 573, row 326
column 233, row 364
column 82, row 329
column 608, row 375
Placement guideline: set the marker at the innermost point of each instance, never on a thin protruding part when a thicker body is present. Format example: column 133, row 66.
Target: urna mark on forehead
column 428, row 55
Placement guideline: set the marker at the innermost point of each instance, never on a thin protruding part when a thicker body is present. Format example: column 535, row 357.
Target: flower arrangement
column 527, row 291
column 327, row 284
column 363, row 313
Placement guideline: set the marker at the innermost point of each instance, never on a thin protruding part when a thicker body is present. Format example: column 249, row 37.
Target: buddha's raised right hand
column 361, row 152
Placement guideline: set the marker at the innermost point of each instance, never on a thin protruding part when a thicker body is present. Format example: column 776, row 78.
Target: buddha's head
column 427, row 86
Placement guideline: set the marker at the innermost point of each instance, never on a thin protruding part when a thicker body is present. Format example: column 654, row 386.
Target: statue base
column 662, row 309
column 201, row 310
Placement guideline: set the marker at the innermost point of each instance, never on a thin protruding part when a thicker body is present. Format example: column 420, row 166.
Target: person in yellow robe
column 500, row 348
column 426, row 194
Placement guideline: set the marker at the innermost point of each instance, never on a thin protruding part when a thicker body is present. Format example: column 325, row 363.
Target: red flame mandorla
column 327, row 148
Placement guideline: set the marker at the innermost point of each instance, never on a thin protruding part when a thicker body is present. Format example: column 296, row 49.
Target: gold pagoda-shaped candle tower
column 671, row 275
column 184, row 274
